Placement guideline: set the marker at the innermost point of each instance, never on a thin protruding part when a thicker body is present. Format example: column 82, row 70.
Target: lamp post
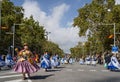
column 83, row 48
column 13, row 33
column 13, row 28
column 0, row 17
column 47, row 33
column 90, row 47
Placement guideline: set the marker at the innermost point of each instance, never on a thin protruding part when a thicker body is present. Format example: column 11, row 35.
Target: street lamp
column 47, row 33
column 13, row 33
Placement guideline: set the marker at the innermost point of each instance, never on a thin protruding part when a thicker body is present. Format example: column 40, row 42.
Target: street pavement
column 65, row 73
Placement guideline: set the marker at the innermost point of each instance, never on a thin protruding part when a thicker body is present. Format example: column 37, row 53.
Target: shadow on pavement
column 60, row 67
column 115, row 70
column 40, row 77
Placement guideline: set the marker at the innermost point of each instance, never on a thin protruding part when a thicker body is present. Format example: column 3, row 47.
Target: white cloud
column 64, row 37
column 117, row 1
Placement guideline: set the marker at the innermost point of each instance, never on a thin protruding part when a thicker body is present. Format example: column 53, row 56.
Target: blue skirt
column 2, row 63
column 45, row 65
column 10, row 62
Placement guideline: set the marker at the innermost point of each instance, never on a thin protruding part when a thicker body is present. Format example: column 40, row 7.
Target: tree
column 92, row 15
column 30, row 31
column 10, row 14
column 78, row 51
column 52, row 48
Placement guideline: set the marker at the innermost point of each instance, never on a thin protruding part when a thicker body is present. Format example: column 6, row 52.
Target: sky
column 57, row 18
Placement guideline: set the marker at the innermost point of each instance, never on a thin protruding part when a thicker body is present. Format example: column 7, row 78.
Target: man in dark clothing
column 107, row 59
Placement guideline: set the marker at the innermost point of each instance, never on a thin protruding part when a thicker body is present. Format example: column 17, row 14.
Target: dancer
column 45, row 61
column 93, row 60
column 88, row 60
column 25, row 65
column 2, row 62
column 70, row 60
column 62, row 60
column 53, row 64
column 114, row 64
column 81, row 61
column 55, row 61
column 9, row 61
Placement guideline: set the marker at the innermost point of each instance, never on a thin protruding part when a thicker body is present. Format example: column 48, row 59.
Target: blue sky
column 57, row 17
column 46, row 6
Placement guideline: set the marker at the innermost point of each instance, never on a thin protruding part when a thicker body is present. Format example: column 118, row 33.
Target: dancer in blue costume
column 53, row 64
column 71, row 60
column 45, row 61
column 2, row 63
column 62, row 60
column 114, row 64
column 88, row 60
column 55, row 61
column 9, row 60
column 81, row 61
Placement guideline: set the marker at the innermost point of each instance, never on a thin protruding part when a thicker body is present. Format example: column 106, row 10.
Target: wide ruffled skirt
column 25, row 67
column 111, row 66
column 53, row 64
column 93, row 62
column 70, row 61
column 81, row 62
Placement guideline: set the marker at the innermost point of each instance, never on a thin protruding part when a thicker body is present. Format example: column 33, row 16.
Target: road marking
column 28, row 79
column 17, row 80
column 10, row 72
column 10, row 76
column 81, row 70
column 69, row 69
column 105, row 70
column 92, row 70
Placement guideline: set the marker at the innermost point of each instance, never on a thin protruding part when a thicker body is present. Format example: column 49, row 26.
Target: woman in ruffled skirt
column 25, row 65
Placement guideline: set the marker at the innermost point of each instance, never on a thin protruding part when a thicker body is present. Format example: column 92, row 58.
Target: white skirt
column 87, row 62
column 93, row 62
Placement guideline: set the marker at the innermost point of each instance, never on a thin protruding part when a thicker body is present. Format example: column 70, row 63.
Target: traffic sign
column 114, row 49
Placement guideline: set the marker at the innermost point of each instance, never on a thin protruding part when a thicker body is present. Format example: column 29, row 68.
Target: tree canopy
column 99, row 17
column 27, row 30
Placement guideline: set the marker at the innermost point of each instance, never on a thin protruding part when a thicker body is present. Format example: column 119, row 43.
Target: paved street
column 65, row 73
